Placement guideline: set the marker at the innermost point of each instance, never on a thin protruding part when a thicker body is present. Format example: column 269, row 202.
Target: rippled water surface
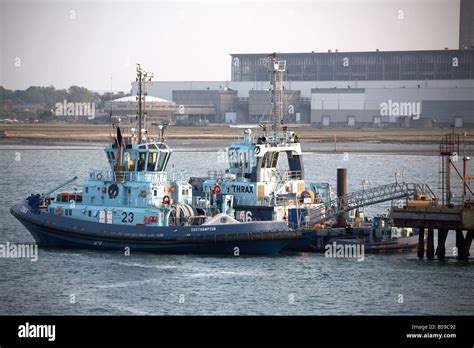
column 289, row 283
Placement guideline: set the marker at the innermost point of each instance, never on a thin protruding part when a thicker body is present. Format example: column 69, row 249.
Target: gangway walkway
column 370, row 196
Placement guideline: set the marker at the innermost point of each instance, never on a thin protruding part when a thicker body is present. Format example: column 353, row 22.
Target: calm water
column 290, row 284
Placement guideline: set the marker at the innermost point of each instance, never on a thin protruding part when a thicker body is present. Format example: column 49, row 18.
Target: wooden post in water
column 459, row 243
column 469, row 236
column 430, row 244
column 463, row 244
column 441, row 248
column 341, row 192
column 421, row 243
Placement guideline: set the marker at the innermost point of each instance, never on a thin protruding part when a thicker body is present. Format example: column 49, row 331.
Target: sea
column 85, row 282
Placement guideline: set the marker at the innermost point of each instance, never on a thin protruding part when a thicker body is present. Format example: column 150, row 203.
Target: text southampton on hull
column 140, row 205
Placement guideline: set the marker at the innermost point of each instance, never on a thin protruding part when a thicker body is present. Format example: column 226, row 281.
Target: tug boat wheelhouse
column 139, row 205
column 258, row 188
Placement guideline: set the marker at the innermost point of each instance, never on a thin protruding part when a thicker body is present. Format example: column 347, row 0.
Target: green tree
column 34, row 95
column 46, row 116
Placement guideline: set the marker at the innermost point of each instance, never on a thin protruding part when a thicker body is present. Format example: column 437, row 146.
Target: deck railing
column 374, row 195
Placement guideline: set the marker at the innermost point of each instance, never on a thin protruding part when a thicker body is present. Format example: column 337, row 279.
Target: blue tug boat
column 140, row 206
column 255, row 183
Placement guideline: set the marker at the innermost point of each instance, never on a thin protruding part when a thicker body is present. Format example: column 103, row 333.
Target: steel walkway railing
column 370, row 196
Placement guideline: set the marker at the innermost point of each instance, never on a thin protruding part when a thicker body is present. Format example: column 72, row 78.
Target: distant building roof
column 148, row 99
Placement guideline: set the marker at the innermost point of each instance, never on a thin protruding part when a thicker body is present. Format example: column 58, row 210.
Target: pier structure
column 450, row 213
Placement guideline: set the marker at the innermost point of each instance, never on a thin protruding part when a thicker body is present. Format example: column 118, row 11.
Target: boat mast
column 277, row 69
column 110, row 114
column 139, row 99
column 142, row 77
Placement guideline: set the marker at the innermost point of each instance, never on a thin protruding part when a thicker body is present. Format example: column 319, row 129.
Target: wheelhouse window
column 152, row 157
column 162, row 161
column 270, row 160
column 141, row 161
column 128, row 162
column 111, row 155
column 235, row 158
column 241, row 160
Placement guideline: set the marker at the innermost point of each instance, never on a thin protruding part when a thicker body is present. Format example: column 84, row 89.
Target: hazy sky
column 85, row 43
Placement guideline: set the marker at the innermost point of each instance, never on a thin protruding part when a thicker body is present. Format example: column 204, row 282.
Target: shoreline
column 209, row 144
column 214, row 138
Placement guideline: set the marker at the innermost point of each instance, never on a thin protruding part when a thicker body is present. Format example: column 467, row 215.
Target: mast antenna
column 110, row 114
column 142, row 77
column 277, row 70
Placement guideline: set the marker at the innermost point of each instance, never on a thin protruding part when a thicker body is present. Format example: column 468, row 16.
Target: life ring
column 143, row 193
column 166, row 200
column 217, row 189
column 99, row 176
column 306, row 194
column 113, row 190
column 59, row 211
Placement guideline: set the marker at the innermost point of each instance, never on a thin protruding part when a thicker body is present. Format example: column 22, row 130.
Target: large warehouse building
column 342, row 89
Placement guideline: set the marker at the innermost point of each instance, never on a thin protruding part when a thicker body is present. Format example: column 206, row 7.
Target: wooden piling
column 430, row 244
column 421, row 243
column 341, row 192
column 441, row 248
column 463, row 244
column 469, row 236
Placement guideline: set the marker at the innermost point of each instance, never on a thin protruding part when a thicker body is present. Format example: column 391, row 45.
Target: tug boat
column 256, row 184
column 259, row 191
column 138, row 205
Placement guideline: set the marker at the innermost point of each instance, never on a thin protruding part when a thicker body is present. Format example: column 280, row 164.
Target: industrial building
column 205, row 105
column 155, row 108
column 432, row 88
column 361, row 66
column 466, row 24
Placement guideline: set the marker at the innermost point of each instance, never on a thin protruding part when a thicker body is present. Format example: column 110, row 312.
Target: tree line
column 36, row 102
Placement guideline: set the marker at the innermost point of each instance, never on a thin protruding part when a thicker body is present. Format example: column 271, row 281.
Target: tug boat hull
column 50, row 230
